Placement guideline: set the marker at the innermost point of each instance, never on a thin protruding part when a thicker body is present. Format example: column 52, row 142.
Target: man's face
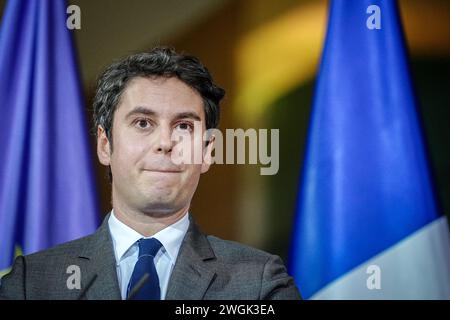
column 149, row 113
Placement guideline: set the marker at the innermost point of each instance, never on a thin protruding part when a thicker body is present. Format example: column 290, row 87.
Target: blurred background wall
column 265, row 53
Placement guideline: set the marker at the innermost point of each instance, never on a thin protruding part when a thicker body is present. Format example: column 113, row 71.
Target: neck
column 147, row 224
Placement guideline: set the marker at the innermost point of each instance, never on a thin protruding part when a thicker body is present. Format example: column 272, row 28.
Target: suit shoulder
column 264, row 272
column 231, row 250
column 65, row 249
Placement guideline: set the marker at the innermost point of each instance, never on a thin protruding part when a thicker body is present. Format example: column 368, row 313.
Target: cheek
column 192, row 176
column 126, row 155
column 188, row 151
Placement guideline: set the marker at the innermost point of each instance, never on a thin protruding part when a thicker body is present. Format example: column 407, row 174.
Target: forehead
column 165, row 97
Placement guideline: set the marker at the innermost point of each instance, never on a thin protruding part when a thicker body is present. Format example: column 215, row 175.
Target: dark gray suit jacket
column 206, row 268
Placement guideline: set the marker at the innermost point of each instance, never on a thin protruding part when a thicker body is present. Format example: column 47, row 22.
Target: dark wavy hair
column 159, row 62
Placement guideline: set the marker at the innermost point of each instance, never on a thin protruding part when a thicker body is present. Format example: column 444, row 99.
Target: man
column 149, row 246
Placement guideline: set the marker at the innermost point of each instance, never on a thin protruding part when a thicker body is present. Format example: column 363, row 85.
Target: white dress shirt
column 126, row 250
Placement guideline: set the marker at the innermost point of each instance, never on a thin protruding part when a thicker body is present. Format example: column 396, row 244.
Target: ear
column 103, row 147
column 207, row 156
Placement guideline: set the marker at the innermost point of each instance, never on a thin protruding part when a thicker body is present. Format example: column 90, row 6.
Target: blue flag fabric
column 47, row 191
column 365, row 181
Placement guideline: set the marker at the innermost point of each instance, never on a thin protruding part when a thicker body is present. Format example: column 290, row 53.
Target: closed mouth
column 162, row 170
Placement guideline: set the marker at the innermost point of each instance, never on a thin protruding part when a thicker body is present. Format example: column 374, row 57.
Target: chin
column 161, row 206
column 159, row 212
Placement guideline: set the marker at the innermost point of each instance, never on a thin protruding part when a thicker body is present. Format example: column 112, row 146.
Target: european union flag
column 47, row 191
column 367, row 223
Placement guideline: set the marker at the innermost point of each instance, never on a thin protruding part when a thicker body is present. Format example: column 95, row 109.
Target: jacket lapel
column 192, row 274
column 190, row 279
column 99, row 274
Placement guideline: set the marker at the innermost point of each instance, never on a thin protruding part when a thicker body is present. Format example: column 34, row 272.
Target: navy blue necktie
column 145, row 270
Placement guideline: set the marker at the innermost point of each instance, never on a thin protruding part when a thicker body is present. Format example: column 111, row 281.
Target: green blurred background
column 265, row 54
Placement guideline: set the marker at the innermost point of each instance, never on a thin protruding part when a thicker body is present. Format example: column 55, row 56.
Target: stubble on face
column 147, row 186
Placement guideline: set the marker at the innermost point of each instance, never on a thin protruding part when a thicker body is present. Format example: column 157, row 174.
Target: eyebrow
column 187, row 115
column 140, row 110
column 149, row 112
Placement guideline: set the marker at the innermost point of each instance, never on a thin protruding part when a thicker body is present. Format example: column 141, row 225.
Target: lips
column 163, row 170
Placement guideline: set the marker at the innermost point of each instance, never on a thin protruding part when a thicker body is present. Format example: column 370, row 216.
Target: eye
column 184, row 126
column 142, row 123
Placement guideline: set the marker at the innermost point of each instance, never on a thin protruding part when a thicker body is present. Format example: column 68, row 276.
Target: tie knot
column 149, row 246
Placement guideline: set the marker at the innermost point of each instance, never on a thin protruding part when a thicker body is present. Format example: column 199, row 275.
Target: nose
column 163, row 143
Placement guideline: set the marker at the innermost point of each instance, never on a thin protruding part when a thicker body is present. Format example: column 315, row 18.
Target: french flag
column 368, row 225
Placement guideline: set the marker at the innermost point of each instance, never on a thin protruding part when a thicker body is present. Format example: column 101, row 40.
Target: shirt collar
column 125, row 237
